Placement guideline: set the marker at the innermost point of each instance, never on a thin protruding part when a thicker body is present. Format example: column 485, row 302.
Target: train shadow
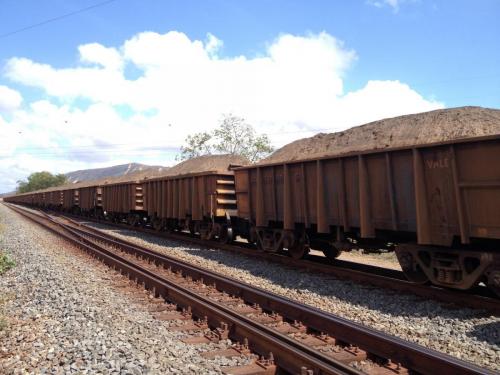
column 487, row 332
column 329, row 289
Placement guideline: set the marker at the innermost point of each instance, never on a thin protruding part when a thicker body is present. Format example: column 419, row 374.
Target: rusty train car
column 203, row 203
column 436, row 205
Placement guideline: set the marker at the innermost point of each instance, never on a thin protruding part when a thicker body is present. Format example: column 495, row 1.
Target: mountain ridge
column 113, row 171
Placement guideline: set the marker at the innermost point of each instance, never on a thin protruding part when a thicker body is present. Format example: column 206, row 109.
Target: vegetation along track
column 294, row 338
column 477, row 298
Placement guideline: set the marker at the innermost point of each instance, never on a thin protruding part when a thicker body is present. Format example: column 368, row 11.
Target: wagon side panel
column 243, row 192
column 331, row 177
column 268, row 194
column 380, row 205
column 437, row 220
column 310, row 187
column 351, row 181
column 478, row 192
column 404, row 190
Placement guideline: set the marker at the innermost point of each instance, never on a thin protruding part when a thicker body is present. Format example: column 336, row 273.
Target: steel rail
column 411, row 356
column 289, row 355
column 362, row 274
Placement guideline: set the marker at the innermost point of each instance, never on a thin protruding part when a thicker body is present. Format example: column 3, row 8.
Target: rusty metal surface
column 195, row 196
column 291, row 354
column 122, row 198
column 88, row 197
column 439, row 192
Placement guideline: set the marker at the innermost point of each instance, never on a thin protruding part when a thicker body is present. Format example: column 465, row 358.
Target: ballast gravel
column 64, row 313
column 471, row 335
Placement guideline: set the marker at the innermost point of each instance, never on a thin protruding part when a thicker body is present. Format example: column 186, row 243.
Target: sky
column 89, row 83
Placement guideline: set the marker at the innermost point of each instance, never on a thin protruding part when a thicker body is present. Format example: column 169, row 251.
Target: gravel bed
column 66, row 313
column 468, row 334
column 385, row 260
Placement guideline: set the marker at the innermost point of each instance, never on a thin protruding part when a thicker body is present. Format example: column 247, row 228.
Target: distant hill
column 136, row 171
column 114, row 171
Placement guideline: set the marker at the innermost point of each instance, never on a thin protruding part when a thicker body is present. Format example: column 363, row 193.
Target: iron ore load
column 426, row 186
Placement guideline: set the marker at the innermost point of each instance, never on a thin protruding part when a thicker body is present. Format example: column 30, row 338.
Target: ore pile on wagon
column 426, row 186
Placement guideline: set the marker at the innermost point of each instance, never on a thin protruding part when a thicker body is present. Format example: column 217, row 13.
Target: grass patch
column 5, row 263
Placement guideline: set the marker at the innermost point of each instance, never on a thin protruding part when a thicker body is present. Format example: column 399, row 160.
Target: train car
column 25, row 199
column 38, row 199
column 31, row 199
column 123, row 201
column 436, row 205
column 41, row 199
column 53, row 199
column 70, row 200
column 201, row 202
column 90, row 200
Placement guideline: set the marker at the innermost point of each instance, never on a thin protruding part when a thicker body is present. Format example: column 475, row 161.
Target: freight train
column 436, row 205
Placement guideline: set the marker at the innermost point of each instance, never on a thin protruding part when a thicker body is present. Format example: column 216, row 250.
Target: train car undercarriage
column 443, row 266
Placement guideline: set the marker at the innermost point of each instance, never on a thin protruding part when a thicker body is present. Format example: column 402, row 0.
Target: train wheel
column 298, row 251
column 206, row 231
column 192, row 227
column 225, row 234
column 410, row 267
column 157, row 224
column 494, row 281
column 495, row 289
column 330, row 251
column 170, row 226
column 197, row 227
column 132, row 220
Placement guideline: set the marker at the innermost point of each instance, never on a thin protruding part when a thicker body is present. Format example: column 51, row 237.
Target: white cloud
column 98, row 54
column 292, row 89
column 9, row 99
column 382, row 99
column 213, row 45
column 394, row 4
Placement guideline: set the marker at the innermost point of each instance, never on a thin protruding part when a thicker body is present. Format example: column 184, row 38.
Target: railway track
column 476, row 298
column 285, row 335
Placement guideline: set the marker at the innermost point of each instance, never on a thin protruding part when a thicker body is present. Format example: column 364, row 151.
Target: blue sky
column 447, row 49
column 379, row 58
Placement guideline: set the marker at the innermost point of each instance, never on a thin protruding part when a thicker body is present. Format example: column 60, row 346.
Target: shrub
column 5, row 263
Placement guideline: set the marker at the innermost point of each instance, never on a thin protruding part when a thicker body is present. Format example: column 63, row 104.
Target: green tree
column 40, row 180
column 233, row 136
column 196, row 145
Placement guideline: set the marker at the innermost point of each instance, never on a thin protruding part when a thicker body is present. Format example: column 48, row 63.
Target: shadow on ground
column 487, row 332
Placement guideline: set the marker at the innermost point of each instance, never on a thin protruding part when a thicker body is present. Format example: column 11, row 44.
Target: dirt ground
column 384, row 260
